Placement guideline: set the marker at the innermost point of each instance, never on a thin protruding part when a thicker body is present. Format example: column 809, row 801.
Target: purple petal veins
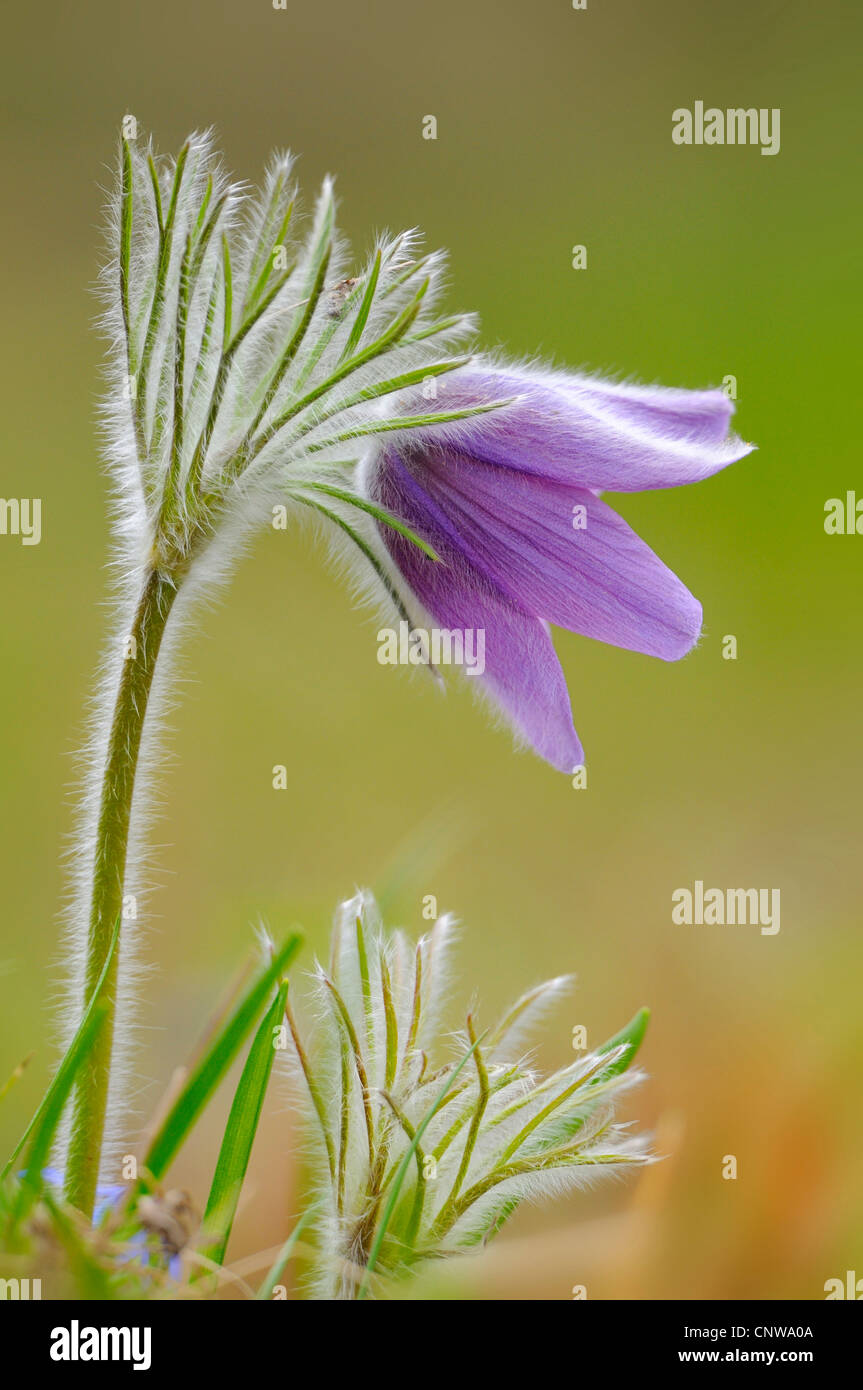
column 496, row 495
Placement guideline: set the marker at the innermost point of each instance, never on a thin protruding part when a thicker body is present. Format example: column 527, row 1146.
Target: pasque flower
column 251, row 375
column 510, row 504
column 419, row 1155
column 246, row 374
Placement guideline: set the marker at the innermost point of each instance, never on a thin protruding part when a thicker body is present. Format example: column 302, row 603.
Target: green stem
column 109, row 871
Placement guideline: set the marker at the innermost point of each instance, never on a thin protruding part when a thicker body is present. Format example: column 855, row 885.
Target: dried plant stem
column 109, row 871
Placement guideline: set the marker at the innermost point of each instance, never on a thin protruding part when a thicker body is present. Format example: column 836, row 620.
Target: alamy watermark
column 77, row 1343
column 21, row 516
column 20, row 1289
column 436, row 646
column 844, row 515
column 718, row 907
column 849, row 1288
column 733, row 126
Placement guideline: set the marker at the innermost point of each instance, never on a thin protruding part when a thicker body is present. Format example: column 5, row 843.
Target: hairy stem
column 109, row 871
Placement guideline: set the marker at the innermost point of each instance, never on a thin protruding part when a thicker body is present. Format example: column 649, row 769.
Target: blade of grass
column 240, row 1132
column 265, row 1292
column 214, row 1064
column 65, row 1074
column 58, row 1094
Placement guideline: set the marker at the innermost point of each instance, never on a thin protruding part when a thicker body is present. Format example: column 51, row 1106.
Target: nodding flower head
column 253, row 374
column 510, row 504
column 420, row 1156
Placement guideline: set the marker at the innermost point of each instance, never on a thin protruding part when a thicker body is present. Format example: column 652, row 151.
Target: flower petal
column 522, row 672
column 600, row 435
column 518, row 531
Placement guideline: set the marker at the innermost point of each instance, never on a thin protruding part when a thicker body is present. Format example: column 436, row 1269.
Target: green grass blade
column 66, row 1072
column 215, row 1063
column 265, row 1292
column 240, row 1133
column 57, row 1096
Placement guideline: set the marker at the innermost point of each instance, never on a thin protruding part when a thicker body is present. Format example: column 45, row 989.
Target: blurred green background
column 553, row 129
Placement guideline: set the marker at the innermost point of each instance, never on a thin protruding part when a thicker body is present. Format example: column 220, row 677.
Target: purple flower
column 510, row 502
